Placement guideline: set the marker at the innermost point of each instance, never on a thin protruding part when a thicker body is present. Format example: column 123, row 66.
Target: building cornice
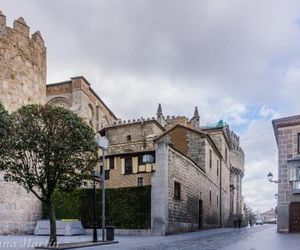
column 285, row 122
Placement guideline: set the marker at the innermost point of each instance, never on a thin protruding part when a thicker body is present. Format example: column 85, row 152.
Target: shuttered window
column 128, row 165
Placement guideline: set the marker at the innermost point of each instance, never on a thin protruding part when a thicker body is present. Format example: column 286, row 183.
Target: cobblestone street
column 257, row 238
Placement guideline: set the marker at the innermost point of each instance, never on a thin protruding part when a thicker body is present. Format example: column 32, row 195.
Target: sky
column 237, row 60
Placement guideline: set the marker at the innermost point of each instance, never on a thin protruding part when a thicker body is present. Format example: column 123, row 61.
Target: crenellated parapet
column 22, row 65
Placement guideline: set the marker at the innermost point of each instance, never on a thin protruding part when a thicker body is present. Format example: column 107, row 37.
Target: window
column 177, row 190
column 128, row 165
column 299, row 143
column 112, row 163
column 226, row 155
column 97, row 113
column 217, row 200
column 140, row 181
column 144, row 159
column 218, row 167
column 148, row 159
column 294, row 172
column 106, row 175
column 128, row 137
column 210, row 158
column 210, row 196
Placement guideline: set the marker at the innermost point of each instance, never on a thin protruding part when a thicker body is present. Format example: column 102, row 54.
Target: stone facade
column 22, row 65
column 233, row 155
column 78, row 96
column 287, row 133
column 22, row 81
column 201, row 160
column 195, row 163
column 269, row 216
column 130, row 140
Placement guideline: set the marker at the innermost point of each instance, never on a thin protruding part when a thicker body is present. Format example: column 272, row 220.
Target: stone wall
column 195, row 186
column 22, row 81
column 78, row 96
column 170, row 215
column 141, row 136
column 287, row 149
column 22, row 66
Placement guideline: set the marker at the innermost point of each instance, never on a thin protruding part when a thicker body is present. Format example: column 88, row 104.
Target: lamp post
column 103, row 145
column 96, row 178
column 270, row 178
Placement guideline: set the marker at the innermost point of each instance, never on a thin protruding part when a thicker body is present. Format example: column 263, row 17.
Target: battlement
column 20, row 26
column 133, row 121
column 23, row 65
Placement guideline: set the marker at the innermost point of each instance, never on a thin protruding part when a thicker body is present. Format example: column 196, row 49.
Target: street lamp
column 96, row 178
column 276, row 196
column 103, row 145
column 270, row 178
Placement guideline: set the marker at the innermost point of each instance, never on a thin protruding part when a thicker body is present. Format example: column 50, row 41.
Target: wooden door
column 294, row 217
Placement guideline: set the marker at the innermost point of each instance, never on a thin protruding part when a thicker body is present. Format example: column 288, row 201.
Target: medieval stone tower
column 22, row 65
column 22, row 81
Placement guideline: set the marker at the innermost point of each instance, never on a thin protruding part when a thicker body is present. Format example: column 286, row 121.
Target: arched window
column 60, row 102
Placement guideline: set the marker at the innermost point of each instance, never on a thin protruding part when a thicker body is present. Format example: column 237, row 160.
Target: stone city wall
column 22, row 81
column 22, row 66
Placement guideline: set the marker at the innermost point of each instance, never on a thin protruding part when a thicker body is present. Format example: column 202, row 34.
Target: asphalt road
column 256, row 238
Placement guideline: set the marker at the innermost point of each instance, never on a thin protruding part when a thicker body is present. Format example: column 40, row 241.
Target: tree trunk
column 53, row 237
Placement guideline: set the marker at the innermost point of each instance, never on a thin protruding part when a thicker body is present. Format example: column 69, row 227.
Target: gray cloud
column 227, row 57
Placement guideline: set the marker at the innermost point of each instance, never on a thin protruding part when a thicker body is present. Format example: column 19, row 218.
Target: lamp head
column 270, row 176
column 101, row 141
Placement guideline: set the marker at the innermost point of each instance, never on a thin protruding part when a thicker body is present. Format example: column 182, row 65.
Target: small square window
column 177, row 190
column 128, row 137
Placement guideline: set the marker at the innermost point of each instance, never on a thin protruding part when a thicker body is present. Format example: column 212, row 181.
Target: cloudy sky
column 236, row 60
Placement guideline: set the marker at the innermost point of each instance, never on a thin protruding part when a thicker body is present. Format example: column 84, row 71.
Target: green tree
column 4, row 128
column 46, row 148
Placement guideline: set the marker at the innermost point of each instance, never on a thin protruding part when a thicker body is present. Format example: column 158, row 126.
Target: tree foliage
column 46, row 148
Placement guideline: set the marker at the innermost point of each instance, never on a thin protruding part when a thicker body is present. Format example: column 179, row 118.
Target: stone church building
column 23, row 71
column 195, row 172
